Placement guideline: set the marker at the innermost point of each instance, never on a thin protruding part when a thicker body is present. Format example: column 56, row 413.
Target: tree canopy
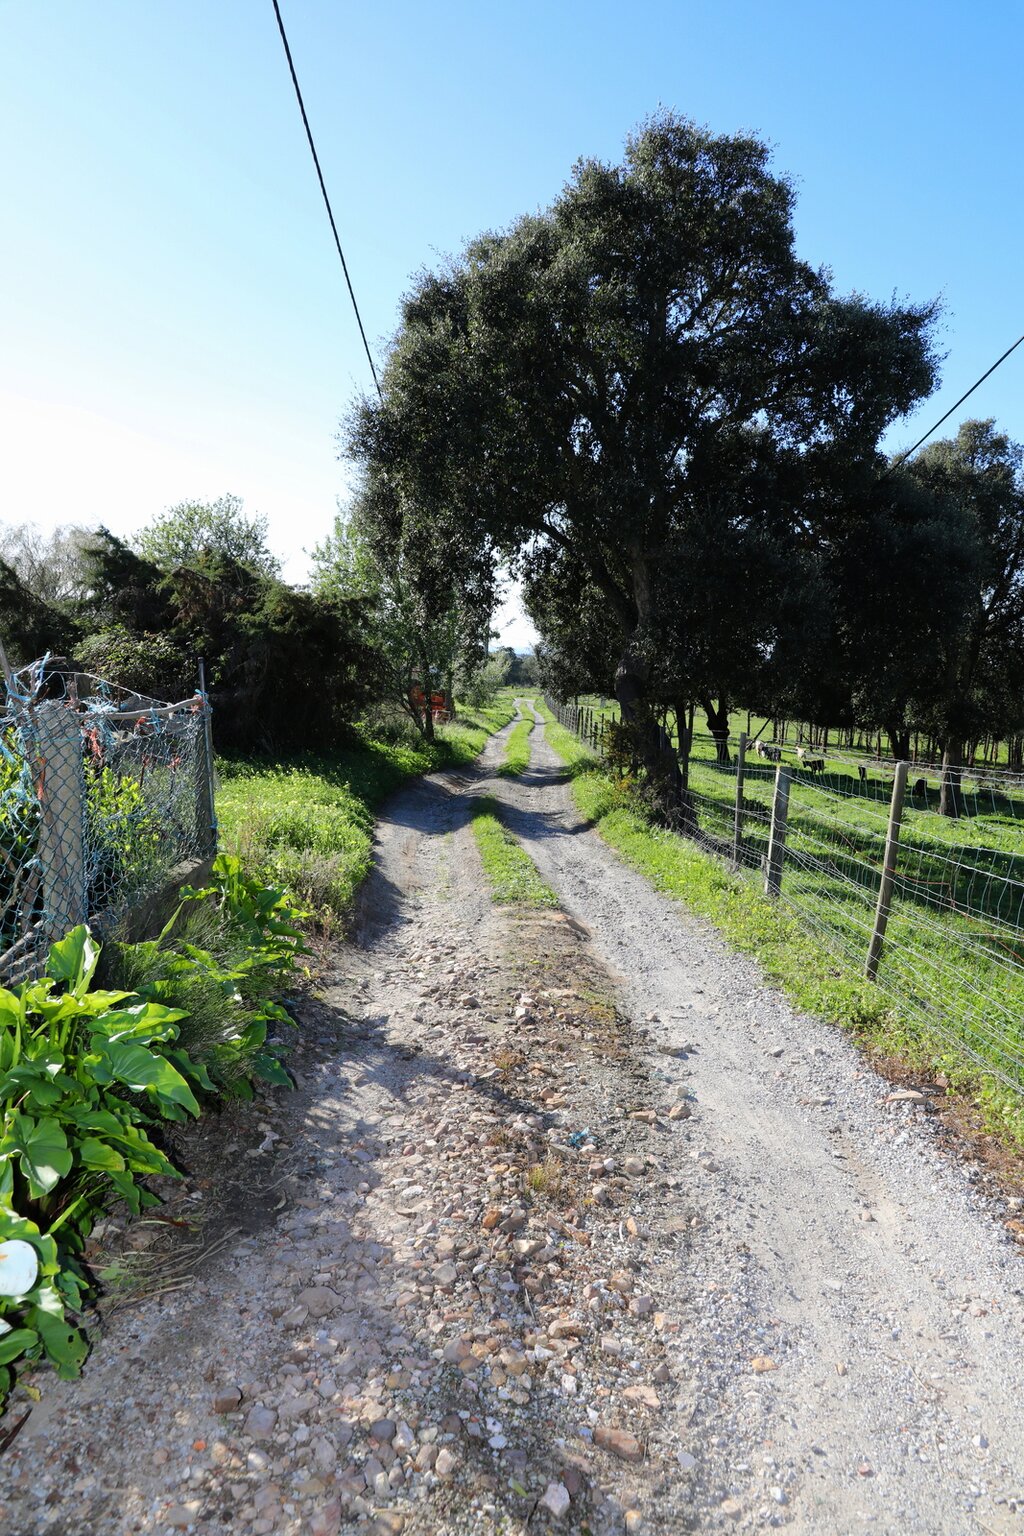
column 197, row 530
column 644, row 372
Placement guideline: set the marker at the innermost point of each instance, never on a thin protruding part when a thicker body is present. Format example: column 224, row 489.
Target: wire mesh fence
column 104, row 794
column 926, row 907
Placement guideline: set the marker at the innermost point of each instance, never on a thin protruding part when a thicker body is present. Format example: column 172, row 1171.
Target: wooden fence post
column 777, row 842
column 741, row 758
column 892, row 839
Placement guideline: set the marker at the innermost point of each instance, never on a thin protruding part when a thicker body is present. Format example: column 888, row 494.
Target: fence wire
column 104, row 793
column 952, row 958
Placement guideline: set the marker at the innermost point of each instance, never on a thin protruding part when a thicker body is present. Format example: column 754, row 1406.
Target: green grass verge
column 517, row 750
column 307, row 823
column 574, row 754
column 790, row 954
column 511, row 873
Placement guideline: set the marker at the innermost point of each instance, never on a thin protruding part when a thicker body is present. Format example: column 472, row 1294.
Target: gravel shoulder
column 572, row 1224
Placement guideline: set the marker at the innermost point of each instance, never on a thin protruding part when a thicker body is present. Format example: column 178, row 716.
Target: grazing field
column 307, row 823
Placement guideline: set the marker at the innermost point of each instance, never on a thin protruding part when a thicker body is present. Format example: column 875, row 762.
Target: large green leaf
column 40, row 1079
column 99, row 1154
column 143, row 1070
column 191, row 1069
column 73, row 960
column 140, row 1153
column 270, row 1069
column 64, row 1345
column 42, row 1149
column 146, row 1021
column 16, row 1343
column 12, row 1010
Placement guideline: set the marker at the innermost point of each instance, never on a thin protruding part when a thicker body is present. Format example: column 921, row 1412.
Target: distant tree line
column 668, row 425
column 288, row 668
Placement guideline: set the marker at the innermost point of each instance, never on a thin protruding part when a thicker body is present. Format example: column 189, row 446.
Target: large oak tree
column 644, row 362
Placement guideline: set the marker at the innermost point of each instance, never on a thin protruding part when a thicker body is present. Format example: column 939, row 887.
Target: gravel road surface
column 891, row 1294
column 572, row 1224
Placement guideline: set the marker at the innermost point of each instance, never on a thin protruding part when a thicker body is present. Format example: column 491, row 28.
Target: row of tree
column 668, row 425
column 289, row 668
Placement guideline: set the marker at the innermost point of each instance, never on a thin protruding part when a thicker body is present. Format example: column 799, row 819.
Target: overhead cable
column 323, row 189
column 904, row 456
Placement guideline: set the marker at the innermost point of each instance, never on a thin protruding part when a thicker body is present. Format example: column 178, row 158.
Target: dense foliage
column 644, row 398
column 669, row 424
column 89, row 1071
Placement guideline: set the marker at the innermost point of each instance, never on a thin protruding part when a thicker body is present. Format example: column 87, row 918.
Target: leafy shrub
column 83, row 1072
column 88, row 1071
column 226, row 953
column 150, row 663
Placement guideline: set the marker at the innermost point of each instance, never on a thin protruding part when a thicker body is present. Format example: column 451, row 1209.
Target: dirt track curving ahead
column 573, row 1224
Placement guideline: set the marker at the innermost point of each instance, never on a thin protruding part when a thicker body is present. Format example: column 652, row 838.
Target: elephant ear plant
column 83, row 1071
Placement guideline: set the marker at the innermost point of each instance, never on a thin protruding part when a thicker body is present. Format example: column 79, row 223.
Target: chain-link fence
column 104, row 795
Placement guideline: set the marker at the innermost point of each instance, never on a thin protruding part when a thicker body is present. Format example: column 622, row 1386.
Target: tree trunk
column 683, row 731
column 899, row 742
column 950, row 794
column 718, row 725
column 428, row 689
column 631, row 678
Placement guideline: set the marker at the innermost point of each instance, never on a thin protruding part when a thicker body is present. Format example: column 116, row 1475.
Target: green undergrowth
column 815, row 978
column 517, row 750
column 511, row 873
column 95, row 1056
column 307, row 822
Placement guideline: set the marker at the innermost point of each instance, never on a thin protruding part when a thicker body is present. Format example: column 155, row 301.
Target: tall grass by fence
column 926, row 908
column 104, row 794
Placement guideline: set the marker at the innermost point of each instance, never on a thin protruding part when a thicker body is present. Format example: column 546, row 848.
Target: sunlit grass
column 938, row 996
column 307, row 822
column 517, row 750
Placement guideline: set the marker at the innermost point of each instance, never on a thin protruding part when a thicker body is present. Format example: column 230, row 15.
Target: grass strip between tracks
column 511, row 873
column 517, row 750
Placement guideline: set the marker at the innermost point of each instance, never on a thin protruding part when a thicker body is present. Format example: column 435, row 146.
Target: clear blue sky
column 174, row 322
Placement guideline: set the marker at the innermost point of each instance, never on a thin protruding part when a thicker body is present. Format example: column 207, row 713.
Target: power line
column 904, row 456
column 323, row 189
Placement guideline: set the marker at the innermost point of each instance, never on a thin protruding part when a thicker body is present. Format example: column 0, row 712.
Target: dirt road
column 572, row 1225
